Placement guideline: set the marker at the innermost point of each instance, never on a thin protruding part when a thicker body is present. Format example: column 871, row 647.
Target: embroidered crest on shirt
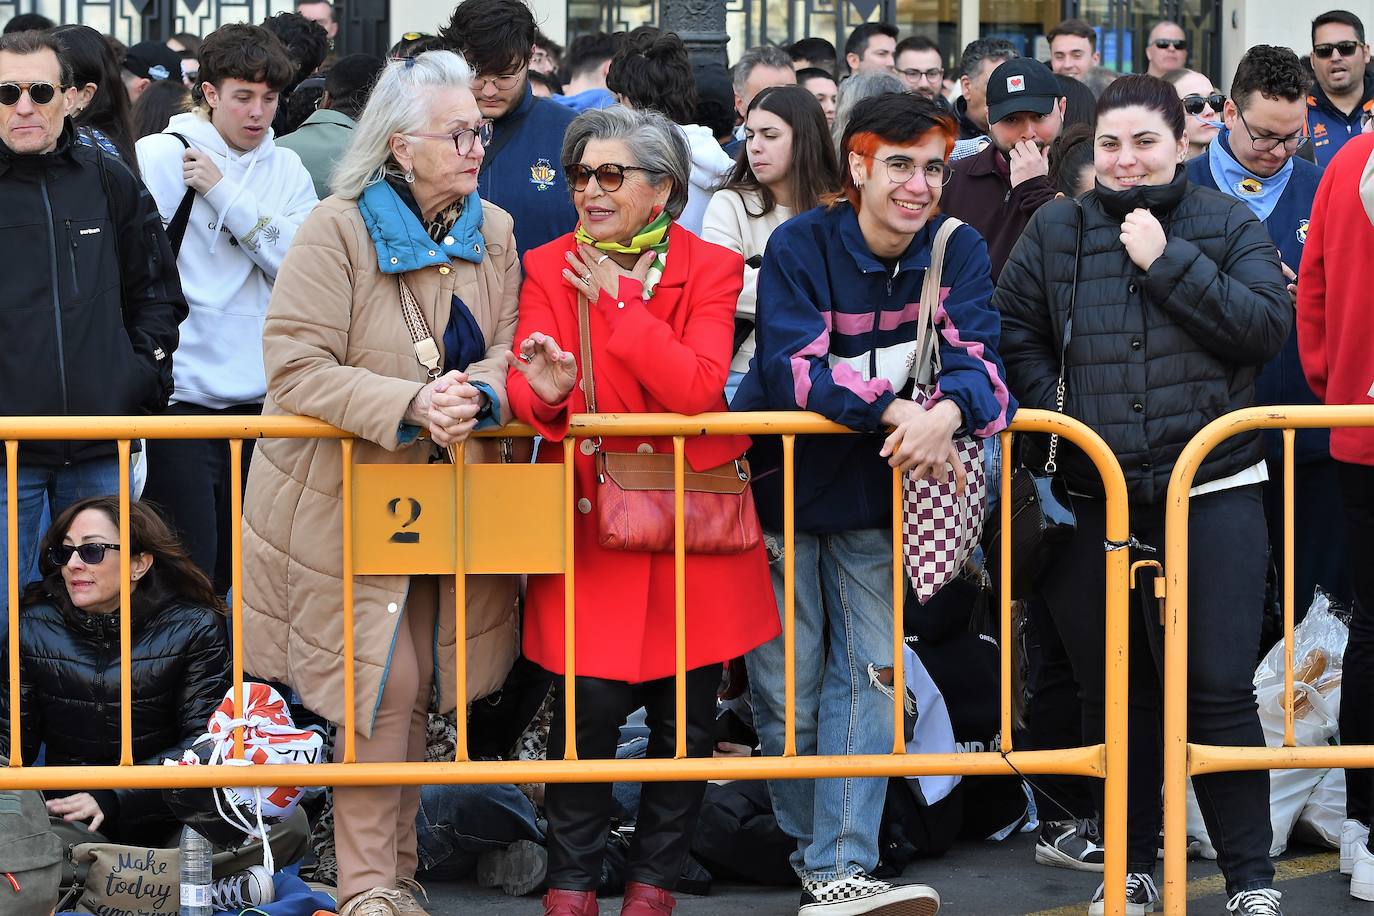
column 542, row 174
column 1249, row 186
column 1302, row 232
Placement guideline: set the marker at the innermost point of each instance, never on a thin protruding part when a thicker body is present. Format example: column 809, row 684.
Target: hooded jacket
column 710, row 165
column 89, row 301
column 235, row 241
column 1328, row 126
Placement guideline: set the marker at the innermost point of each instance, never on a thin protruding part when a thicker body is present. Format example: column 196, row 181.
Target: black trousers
column 579, row 814
column 1054, row 717
column 1357, row 710
column 1319, row 552
column 1227, row 556
column 189, row 480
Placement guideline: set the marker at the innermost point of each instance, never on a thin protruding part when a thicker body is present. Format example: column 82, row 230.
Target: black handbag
column 1042, row 513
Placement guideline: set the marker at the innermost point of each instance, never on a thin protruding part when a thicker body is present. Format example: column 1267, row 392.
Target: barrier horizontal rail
column 1183, row 759
column 1106, row 761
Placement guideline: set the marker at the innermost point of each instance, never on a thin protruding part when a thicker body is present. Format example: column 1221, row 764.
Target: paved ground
column 983, row 879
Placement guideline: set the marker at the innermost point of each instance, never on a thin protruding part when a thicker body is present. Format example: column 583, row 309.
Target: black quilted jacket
column 69, row 683
column 1154, row 355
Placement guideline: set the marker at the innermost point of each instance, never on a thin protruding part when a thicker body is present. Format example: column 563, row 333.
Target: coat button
column 620, row 305
column 1138, row 407
column 395, row 261
column 1132, row 287
column 584, row 505
column 1146, row 466
column 433, row 253
column 1136, row 344
column 645, row 449
column 445, row 270
column 448, row 240
column 477, row 249
column 587, row 447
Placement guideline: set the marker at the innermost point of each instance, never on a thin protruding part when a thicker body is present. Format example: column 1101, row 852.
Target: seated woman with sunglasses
column 659, row 308
column 1202, row 103
column 69, row 661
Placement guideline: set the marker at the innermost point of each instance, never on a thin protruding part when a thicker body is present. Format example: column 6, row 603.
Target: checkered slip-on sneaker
column 864, row 895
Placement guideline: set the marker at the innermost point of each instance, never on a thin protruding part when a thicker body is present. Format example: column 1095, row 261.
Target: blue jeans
column 456, row 824
column 43, row 494
column 843, row 591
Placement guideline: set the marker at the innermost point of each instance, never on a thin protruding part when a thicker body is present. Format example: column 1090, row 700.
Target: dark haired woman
column 101, row 110
column 1072, row 170
column 159, row 103
column 788, row 166
column 1180, row 301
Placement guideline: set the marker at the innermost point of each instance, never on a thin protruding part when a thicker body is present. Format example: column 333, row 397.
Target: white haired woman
column 404, row 217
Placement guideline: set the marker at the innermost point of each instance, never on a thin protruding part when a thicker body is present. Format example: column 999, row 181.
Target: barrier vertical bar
column 1004, row 593
column 236, row 582
column 1175, row 890
column 1288, row 609
column 126, row 698
column 789, row 593
column 569, row 604
column 12, row 564
column 680, row 590
column 460, row 602
column 350, row 688
column 898, row 628
column 1118, row 530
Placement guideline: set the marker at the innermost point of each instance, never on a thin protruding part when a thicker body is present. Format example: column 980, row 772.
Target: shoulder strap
column 426, row 350
column 926, row 367
column 176, row 229
column 584, row 334
column 1051, row 462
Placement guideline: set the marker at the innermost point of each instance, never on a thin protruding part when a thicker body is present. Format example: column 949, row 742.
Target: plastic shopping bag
column 1320, row 822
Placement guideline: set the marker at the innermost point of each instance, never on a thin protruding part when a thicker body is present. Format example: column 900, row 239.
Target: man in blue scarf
column 1253, row 160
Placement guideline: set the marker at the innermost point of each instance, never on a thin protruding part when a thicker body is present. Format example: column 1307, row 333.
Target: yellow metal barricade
column 1183, row 759
column 415, row 519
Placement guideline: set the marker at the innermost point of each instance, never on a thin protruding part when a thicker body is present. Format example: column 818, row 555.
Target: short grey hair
column 862, row 85
column 762, row 56
column 656, row 143
column 399, row 104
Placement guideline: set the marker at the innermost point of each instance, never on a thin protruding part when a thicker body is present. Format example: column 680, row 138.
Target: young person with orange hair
column 836, row 324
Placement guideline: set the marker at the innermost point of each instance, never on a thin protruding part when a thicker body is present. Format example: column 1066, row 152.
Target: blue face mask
column 1218, row 125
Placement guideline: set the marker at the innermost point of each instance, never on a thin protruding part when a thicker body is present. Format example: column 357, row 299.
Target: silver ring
column 604, row 257
column 587, row 277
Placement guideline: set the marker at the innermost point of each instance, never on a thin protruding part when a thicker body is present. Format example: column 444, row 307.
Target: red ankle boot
column 646, row 900
column 570, row 903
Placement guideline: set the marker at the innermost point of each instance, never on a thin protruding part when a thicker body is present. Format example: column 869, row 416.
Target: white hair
column 399, row 104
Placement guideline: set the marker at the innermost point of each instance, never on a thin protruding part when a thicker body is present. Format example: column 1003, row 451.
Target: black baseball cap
column 1021, row 84
column 153, row 60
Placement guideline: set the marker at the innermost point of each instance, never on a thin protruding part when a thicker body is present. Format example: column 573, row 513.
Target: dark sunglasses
column 1178, row 44
column 1194, row 103
column 1347, row 49
column 90, row 554
column 609, row 177
column 40, row 93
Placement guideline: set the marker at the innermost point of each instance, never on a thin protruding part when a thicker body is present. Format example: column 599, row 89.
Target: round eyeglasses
column 465, row 139
column 900, row 169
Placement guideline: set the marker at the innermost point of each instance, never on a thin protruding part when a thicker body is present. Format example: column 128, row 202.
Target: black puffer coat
column 1154, row 355
column 69, row 687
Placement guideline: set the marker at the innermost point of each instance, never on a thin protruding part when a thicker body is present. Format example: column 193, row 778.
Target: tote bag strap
column 926, row 367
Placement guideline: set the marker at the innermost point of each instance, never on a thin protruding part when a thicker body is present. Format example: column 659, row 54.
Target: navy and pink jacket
column 834, row 323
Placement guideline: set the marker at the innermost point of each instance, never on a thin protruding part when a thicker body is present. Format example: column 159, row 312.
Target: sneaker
column 1361, row 871
column 1070, row 844
column 249, row 888
column 1192, row 846
column 862, row 894
column 1353, row 834
column 1261, row 902
column 410, row 891
column 380, row 901
column 518, row 869
column 1141, row 896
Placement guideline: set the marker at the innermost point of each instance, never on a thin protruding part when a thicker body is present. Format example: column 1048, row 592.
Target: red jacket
column 1335, row 320
column 670, row 355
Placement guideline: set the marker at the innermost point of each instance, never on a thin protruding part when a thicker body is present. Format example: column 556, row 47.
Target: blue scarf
column 1261, row 195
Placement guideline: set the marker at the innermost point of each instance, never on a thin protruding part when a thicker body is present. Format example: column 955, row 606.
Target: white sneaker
column 249, row 888
column 864, row 895
column 1361, row 871
column 1141, row 896
column 1353, row 833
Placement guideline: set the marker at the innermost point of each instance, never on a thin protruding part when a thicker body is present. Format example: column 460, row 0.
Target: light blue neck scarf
column 1261, row 195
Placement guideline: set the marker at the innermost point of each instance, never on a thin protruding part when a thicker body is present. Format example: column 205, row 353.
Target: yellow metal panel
column 403, row 519
column 515, row 518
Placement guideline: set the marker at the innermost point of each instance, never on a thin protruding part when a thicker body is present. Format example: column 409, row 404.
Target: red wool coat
column 669, row 355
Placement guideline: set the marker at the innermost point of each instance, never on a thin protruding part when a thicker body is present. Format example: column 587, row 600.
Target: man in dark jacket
column 998, row 190
column 1345, row 88
column 90, row 302
column 521, row 173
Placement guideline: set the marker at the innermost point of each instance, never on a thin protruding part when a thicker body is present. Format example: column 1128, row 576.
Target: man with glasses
column 1166, row 49
column 998, row 190
column 91, row 300
column 1344, row 90
column 921, row 67
column 521, row 172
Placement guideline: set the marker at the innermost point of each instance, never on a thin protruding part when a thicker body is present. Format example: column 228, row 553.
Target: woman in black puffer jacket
column 1180, row 301
column 69, row 661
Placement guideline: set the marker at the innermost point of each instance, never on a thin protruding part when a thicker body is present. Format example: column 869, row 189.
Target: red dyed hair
column 866, row 144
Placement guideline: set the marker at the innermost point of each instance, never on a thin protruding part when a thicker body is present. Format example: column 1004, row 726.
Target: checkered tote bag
column 940, row 528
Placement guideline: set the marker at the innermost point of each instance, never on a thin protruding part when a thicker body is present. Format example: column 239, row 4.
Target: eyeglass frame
column 483, row 126
column 1296, row 139
column 570, row 171
column 80, row 551
column 1324, row 50
column 479, row 83
column 1214, row 99
column 27, row 89
column 933, row 75
column 1174, row 44
column 887, row 164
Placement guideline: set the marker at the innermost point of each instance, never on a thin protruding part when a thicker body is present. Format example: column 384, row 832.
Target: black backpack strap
column 176, row 229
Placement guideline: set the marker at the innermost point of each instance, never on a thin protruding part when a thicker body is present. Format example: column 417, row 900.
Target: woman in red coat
column 662, row 305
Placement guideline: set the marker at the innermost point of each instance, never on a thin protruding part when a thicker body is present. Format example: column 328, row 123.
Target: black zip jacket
column 90, row 300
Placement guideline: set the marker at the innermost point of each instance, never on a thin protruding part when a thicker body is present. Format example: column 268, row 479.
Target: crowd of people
column 488, row 227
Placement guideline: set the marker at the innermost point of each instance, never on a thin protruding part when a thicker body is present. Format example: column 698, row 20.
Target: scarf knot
column 653, row 237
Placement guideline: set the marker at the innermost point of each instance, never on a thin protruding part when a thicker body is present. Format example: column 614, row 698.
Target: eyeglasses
column 91, row 554
column 503, row 82
column 1194, row 103
column 1178, row 44
column 930, row 76
column 900, row 169
column 1268, row 144
column 1347, row 49
column 39, row 93
column 609, row 176
column 465, row 139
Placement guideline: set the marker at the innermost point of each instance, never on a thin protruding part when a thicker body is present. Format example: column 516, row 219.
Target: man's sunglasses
column 39, row 93
column 91, row 554
column 1194, row 103
column 1178, row 44
column 609, row 177
column 1347, row 49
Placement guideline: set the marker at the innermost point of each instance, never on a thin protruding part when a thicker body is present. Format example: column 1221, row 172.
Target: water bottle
column 195, row 874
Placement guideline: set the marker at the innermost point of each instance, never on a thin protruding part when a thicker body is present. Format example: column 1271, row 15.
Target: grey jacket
column 319, row 142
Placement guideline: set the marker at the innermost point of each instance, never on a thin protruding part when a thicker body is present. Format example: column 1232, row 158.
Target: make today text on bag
column 128, row 880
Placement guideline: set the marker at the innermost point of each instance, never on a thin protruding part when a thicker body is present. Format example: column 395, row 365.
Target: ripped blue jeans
column 843, row 643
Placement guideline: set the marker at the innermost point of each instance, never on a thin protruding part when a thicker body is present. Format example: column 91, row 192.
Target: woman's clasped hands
column 447, row 407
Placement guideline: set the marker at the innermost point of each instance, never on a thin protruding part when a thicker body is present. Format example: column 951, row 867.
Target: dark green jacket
column 320, row 141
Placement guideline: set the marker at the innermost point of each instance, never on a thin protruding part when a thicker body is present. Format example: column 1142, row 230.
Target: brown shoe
column 646, row 900
column 570, row 903
column 411, row 891
column 380, row 901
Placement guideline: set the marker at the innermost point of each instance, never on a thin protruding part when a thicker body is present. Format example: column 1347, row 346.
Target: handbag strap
column 926, row 368
column 584, row 344
column 426, row 350
column 1051, row 464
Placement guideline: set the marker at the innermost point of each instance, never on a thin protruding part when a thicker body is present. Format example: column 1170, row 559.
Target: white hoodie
column 710, row 165
column 235, row 241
